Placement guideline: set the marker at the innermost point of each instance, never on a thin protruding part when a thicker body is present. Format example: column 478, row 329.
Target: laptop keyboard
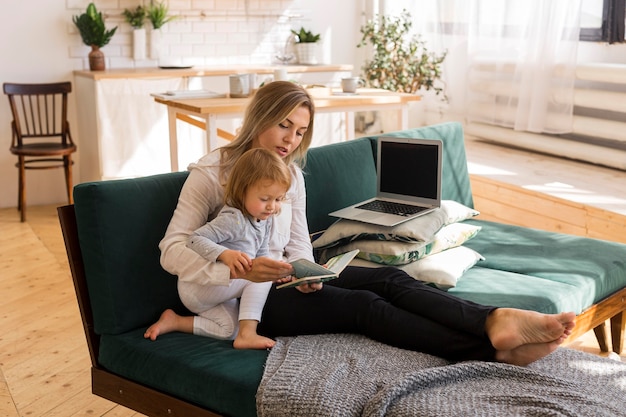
column 390, row 207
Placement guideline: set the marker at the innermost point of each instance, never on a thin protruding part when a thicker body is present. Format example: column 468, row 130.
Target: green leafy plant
column 135, row 17
column 157, row 14
column 305, row 36
column 401, row 61
column 91, row 27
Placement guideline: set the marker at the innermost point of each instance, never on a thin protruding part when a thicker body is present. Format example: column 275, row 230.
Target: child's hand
column 238, row 262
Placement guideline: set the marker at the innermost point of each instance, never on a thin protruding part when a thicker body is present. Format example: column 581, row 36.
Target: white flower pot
column 307, row 53
column 139, row 44
column 155, row 43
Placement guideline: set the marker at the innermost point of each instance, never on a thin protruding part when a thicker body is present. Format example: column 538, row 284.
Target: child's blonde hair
column 257, row 164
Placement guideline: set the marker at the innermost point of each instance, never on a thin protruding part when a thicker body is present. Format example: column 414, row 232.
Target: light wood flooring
column 44, row 362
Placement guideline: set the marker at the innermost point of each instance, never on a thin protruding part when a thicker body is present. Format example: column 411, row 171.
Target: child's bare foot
column 248, row 338
column 509, row 328
column 528, row 353
column 167, row 323
column 253, row 342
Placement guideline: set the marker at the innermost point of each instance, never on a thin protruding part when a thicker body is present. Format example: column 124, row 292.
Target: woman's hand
column 265, row 269
column 303, row 288
column 307, row 288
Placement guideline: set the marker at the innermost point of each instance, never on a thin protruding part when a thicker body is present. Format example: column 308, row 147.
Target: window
column 602, row 21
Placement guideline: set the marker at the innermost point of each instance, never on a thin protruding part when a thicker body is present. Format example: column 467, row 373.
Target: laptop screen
column 410, row 168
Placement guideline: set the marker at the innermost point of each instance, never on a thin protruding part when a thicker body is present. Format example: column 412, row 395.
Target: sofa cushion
column 455, row 183
column 345, row 171
column 542, row 271
column 120, row 224
column 201, row 370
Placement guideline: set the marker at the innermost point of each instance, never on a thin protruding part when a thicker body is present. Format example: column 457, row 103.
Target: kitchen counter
column 150, row 72
column 124, row 133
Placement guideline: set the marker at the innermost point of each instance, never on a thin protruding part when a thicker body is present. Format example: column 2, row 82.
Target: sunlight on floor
column 486, row 170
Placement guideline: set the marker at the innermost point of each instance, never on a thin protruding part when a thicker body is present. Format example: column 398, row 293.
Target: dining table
column 204, row 112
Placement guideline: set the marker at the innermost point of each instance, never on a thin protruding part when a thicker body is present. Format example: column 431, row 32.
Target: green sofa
column 112, row 233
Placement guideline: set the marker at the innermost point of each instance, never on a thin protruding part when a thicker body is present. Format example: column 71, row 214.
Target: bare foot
column 253, row 342
column 509, row 328
column 528, row 353
column 167, row 323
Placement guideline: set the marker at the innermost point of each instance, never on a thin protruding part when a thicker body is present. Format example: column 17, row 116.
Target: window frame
column 613, row 22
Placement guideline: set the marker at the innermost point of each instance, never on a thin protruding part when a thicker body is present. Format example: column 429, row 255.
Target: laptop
column 408, row 182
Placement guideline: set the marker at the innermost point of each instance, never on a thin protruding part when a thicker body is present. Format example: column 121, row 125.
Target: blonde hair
column 255, row 165
column 272, row 104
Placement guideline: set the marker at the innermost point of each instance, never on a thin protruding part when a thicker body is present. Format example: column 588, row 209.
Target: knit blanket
column 350, row 375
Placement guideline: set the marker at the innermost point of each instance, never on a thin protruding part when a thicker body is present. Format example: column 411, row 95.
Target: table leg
column 349, row 125
column 403, row 115
column 211, row 132
column 171, row 119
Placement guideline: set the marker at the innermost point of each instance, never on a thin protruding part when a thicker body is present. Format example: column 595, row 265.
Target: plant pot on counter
column 96, row 59
column 156, row 37
column 139, row 44
column 306, row 52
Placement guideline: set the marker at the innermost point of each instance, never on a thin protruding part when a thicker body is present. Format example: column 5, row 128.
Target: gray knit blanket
column 350, row 375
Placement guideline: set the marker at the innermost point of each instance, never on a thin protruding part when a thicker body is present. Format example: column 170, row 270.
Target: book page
column 308, row 272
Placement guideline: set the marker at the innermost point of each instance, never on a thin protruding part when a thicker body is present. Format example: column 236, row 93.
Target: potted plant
column 401, row 61
column 136, row 18
column 93, row 32
column 157, row 14
column 306, row 46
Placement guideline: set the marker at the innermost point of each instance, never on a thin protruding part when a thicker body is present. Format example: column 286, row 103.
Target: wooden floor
column 44, row 362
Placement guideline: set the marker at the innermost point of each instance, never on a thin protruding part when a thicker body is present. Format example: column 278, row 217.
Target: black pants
column 386, row 305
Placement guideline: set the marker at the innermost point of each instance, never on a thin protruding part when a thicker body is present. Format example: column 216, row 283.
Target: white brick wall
column 206, row 32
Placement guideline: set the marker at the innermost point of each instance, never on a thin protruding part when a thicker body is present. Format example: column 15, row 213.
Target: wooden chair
column 40, row 115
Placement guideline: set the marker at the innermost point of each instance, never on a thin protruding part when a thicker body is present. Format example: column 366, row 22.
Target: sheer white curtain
column 510, row 63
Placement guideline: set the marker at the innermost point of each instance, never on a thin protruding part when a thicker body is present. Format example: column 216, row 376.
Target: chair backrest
column 39, row 111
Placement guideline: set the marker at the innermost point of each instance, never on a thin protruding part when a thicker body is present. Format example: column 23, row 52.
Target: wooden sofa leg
column 618, row 323
column 601, row 336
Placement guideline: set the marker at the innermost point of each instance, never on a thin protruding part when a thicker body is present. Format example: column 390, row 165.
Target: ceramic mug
column 280, row 74
column 239, row 85
column 350, row 84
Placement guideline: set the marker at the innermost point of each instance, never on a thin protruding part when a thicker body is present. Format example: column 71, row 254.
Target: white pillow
column 442, row 269
column 420, row 229
column 401, row 253
column 457, row 212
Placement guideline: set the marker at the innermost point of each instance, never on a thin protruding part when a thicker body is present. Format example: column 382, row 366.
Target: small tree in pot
column 400, row 62
column 93, row 32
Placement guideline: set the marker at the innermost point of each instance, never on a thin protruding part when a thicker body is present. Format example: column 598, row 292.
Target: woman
column 384, row 304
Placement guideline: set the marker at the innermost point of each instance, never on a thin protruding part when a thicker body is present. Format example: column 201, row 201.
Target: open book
column 307, row 272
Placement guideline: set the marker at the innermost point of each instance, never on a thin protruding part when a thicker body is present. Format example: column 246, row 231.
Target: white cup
column 252, row 81
column 350, row 84
column 239, row 85
column 280, row 74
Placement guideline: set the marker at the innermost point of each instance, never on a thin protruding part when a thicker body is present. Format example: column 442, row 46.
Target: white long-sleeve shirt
column 201, row 198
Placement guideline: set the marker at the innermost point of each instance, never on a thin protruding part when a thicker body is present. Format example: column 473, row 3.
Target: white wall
column 34, row 44
column 39, row 43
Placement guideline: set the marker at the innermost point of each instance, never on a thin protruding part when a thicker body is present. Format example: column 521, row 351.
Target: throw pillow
column 443, row 269
column 457, row 212
column 420, row 229
column 401, row 253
